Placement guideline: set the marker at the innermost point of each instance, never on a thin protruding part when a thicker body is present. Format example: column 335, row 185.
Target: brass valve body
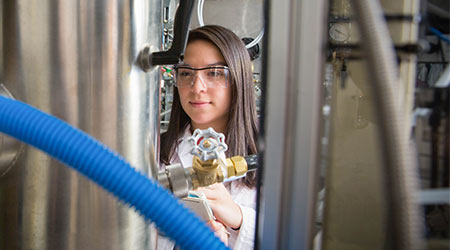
column 206, row 172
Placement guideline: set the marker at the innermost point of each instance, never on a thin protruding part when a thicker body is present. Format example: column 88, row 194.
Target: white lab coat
column 245, row 197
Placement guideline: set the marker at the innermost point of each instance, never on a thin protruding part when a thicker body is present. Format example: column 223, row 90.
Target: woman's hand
column 219, row 230
column 224, row 208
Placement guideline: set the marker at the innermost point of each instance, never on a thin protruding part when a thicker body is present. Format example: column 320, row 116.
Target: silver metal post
column 294, row 62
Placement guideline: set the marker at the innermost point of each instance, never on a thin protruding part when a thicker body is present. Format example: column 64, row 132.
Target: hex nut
column 230, row 168
column 240, row 165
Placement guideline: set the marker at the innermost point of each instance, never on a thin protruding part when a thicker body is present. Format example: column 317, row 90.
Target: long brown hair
column 242, row 126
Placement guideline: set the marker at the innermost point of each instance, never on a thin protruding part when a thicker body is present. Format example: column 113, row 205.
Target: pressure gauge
column 340, row 32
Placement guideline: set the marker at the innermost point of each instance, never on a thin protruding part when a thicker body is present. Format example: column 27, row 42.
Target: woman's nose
column 198, row 85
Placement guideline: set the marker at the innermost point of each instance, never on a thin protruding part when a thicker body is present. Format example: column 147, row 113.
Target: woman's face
column 206, row 106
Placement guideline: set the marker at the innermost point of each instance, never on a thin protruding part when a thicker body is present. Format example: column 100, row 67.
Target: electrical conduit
column 108, row 169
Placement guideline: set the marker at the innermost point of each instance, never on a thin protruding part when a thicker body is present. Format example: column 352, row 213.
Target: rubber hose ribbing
column 108, row 169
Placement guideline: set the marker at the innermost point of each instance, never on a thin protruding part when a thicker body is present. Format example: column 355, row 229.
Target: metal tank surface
column 76, row 59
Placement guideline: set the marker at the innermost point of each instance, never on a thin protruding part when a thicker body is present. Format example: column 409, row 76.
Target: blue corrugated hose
column 109, row 170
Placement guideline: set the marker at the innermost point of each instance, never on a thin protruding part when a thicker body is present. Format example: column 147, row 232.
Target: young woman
column 214, row 88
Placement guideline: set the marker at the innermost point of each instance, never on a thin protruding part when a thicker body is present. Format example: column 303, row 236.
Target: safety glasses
column 212, row 77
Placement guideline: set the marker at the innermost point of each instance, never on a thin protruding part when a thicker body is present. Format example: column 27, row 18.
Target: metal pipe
column 399, row 165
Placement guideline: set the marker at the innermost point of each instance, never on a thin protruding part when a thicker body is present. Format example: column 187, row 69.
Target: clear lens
column 211, row 76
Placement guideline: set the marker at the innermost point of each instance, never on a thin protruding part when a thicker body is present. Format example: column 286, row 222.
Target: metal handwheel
column 207, row 144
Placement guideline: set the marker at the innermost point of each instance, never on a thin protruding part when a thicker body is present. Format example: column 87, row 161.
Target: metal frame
column 294, row 55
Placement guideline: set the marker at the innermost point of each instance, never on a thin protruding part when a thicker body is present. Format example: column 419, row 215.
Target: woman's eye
column 185, row 73
column 215, row 73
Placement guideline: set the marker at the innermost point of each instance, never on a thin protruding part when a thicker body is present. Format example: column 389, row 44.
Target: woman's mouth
column 198, row 104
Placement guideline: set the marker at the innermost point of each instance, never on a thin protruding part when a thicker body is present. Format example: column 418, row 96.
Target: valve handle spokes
column 207, row 144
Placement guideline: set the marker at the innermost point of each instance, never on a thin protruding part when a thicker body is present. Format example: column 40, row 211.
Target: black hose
column 252, row 162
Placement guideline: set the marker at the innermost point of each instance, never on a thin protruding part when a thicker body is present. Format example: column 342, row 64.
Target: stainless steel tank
column 76, row 59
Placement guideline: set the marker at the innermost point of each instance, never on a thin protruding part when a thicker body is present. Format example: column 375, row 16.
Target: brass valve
column 205, row 173
column 209, row 165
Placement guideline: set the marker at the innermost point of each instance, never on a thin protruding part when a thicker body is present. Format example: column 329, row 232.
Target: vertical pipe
column 399, row 167
column 293, row 71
